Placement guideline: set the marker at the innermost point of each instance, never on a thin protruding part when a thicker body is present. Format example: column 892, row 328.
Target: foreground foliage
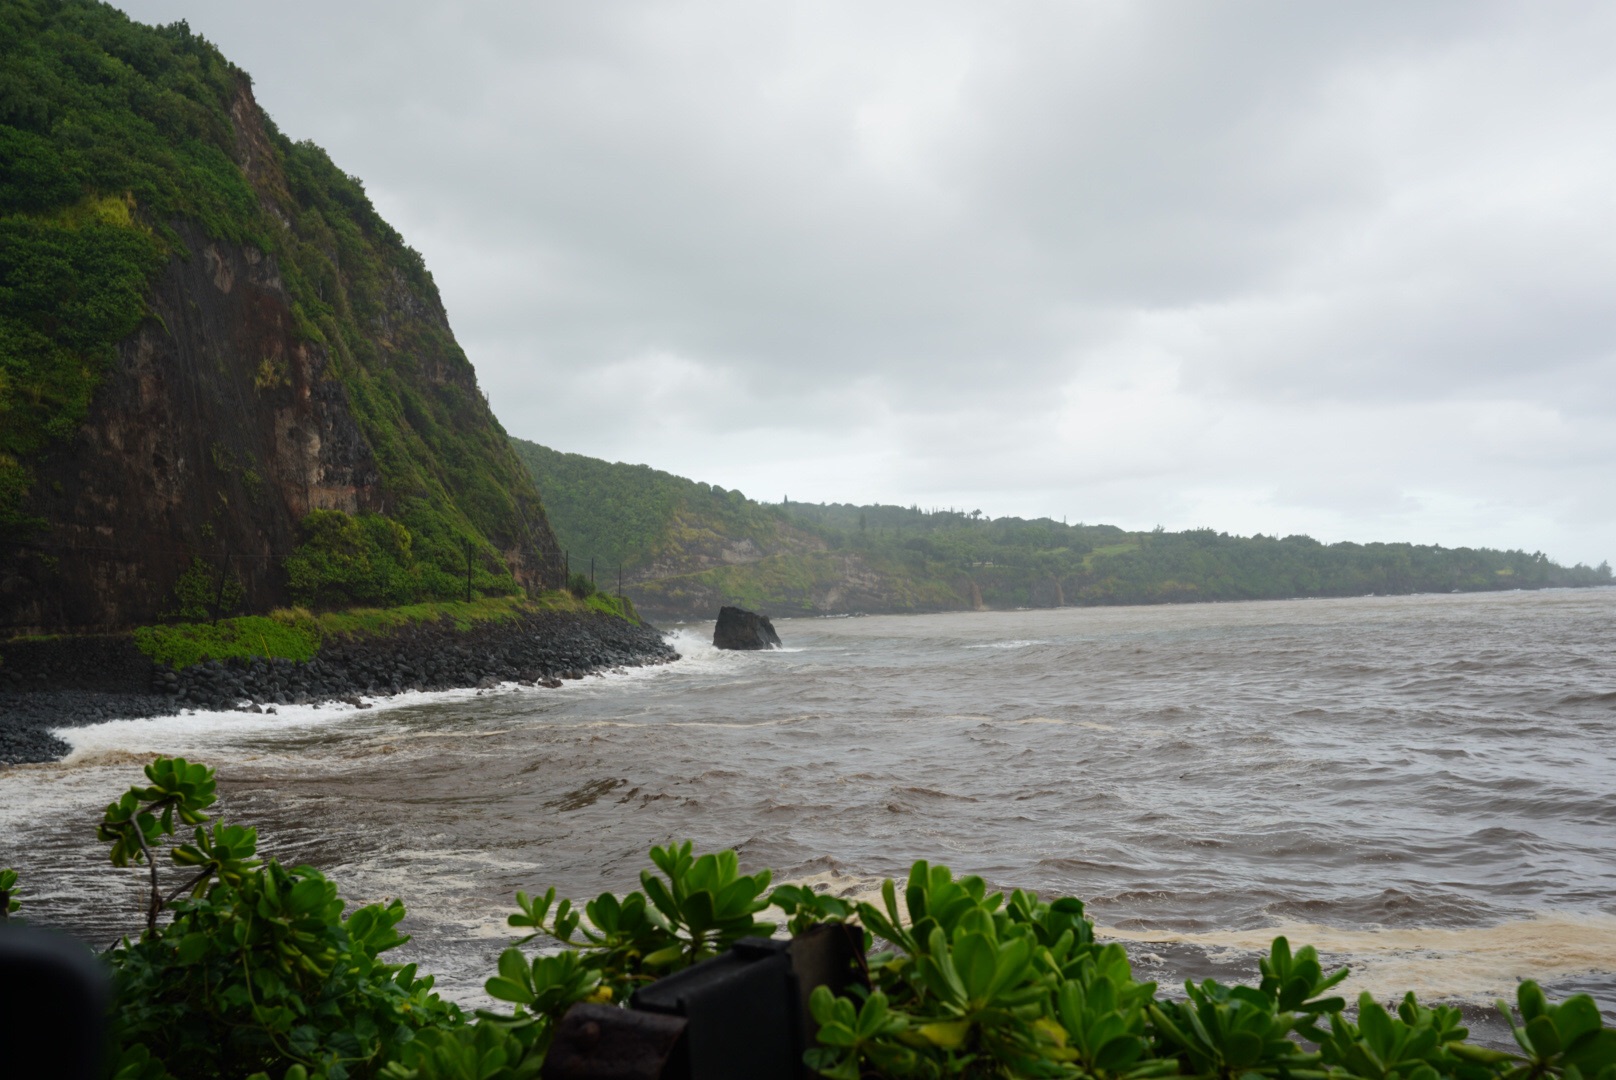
column 9, row 904
column 260, row 967
column 262, row 973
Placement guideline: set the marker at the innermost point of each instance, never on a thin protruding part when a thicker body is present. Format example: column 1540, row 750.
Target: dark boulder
column 741, row 629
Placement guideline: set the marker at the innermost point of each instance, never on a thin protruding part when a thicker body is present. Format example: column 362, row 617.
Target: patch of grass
column 620, row 606
column 374, row 622
column 298, row 634
column 1109, row 549
column 184, row 644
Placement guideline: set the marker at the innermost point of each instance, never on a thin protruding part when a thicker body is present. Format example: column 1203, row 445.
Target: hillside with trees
column 684, row 548
column 222, row 374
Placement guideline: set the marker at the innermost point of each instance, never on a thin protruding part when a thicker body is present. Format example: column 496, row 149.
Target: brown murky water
column 1424, row 787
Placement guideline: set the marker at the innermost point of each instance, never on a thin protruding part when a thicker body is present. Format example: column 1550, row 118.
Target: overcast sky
column 1343, row 269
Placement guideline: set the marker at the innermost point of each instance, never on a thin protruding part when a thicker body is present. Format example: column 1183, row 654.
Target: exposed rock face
column 221, row 424
column 741, row 629
column 216, row 431
column 1046, row 593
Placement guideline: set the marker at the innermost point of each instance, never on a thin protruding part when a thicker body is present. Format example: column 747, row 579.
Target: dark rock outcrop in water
column 741, row 629
column 69, row 682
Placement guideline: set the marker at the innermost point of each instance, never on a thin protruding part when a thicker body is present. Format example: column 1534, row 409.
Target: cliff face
column 293, row 356
column 215, row 432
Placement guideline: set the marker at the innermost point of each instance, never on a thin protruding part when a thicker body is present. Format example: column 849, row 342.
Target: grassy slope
column 808, row 558
column 110, row 131
column 298, row 634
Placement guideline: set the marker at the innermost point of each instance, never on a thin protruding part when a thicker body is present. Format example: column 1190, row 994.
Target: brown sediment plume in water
column 1468, row 964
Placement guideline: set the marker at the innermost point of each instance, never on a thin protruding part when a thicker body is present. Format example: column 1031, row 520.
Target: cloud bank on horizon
column 1267, row 267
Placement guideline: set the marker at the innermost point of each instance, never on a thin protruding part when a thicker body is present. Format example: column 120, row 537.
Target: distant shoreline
column 672, row 619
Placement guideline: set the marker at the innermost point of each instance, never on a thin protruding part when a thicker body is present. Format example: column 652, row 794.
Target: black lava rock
column 57, row 686
column 741, row 629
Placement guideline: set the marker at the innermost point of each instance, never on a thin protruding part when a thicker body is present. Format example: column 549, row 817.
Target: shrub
column 259, row 968
column 205, row 591
column 350, row 560
column 245, row 636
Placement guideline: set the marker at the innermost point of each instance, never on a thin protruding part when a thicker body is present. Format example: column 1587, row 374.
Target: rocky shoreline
column 69, row 682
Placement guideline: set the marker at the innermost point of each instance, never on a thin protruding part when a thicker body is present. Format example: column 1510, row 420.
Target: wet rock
column 741, row 629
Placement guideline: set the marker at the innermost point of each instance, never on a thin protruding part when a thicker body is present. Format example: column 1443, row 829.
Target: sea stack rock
column 741, row 629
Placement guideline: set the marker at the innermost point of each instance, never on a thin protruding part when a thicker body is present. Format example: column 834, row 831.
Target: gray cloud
column 1261, row 266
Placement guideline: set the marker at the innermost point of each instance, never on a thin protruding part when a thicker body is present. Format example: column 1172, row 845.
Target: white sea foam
column 203, row 730
column 1018, row 643
column 697, row 645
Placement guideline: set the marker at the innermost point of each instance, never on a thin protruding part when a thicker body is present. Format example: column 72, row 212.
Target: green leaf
column 697, row 912
column 192, row 948
column 945, row 1034
column 508, row 990
column 1531, row 1000
column 1545, row 1039
column 1242, row 1049
column 1574, row 1017
column 669, row 955
column 976, row 960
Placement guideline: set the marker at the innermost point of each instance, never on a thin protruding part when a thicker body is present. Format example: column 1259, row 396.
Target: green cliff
column 222, row 374
column 685, row 548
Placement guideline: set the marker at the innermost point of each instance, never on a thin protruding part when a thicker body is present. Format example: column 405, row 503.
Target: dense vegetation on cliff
column 624, row 515
column 120, row 144
column 686, row 546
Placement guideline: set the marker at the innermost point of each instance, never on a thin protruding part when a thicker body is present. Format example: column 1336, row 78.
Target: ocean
column 1424, row 787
